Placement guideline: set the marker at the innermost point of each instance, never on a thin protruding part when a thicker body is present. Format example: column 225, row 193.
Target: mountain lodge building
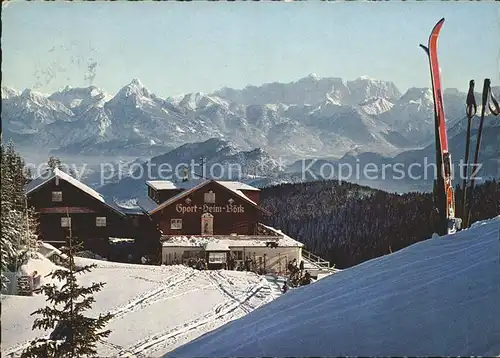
column 62, row 201
column 203, row 207
column 194, row 218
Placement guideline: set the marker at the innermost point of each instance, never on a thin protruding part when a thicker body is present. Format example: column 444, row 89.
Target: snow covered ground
column 439, row 297
column 157, row 308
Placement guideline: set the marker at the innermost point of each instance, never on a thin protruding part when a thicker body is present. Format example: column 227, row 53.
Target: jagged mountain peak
column 364, row 87
column 136, row 82
column 312, row 77
column 197, row 100
column 33, row 95
column 9, row 92
column 90, row 91
column 135, row 87
column 75, row 97
column 420, row 96
column 134, row 93
column 365, row 77
column 376, row 105
column 302, row 118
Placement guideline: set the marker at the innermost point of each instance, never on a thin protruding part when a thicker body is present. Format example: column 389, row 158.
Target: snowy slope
column 440, row 297
column 157, row 308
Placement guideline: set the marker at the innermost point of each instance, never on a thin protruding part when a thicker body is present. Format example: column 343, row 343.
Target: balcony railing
column 316, row 260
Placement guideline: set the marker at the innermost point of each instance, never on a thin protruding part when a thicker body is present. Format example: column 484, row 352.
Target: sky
column 181, row 47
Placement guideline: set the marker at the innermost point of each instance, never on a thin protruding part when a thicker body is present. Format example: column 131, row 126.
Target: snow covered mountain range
column 311, row 117
column 221, row 160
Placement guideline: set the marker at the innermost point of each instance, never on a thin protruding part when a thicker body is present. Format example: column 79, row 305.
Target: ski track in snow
column 151, row 297
column 220, row 313
column 238, row 300
column 219, row 280
column 143, row 300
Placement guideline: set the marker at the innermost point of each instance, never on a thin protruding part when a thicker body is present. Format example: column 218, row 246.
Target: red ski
column 445, row 199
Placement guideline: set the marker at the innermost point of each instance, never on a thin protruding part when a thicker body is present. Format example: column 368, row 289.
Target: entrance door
column 207, row 224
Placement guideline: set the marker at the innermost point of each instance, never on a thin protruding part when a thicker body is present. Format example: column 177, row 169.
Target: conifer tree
column 55, row 162
column 73, row 334
column 18, row 222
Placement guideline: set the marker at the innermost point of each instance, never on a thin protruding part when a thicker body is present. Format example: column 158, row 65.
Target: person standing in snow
column 306, row 280
column 230, row 261
column 301, row 267
column 285, row 287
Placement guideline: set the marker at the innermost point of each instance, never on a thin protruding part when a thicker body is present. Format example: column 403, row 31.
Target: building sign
column 62, row 210
column 216, row 257
column 206, row 208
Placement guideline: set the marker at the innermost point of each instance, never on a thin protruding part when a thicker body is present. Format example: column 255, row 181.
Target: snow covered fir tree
column 73, row 334
column 18, row 221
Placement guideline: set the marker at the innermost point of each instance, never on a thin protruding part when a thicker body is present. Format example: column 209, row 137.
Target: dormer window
column 57, row 196
column 210, row 197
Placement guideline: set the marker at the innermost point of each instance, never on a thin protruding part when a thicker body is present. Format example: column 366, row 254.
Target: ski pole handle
column 486, row 91
column 471, row 101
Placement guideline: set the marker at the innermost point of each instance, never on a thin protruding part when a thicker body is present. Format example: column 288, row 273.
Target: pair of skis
column 444, row 194
column 471, row 112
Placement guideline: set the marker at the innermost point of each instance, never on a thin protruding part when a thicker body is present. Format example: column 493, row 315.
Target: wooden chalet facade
column 55, row 195
column 176, row 222
column 216, row 220
column 203, row 207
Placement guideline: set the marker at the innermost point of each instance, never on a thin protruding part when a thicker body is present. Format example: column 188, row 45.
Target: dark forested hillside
column 348, row 224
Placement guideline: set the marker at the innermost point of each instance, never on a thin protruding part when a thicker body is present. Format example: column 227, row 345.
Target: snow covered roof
column 169, row 185
column 42, row 265
column 126, row 209
column 438, row 297
column 147, row 204
column 151, row 207
column 47, row 250
column 57, row 173
column 60, row 175
column 236, row 185
column 216, row 246
column 230, row 241
column 116, row 240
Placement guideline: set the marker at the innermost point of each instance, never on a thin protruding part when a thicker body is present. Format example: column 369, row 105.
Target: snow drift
column 440, row 297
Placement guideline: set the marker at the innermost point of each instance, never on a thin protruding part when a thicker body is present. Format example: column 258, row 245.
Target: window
column 238, row 255
column 176, row 224
column 210, row 197
column 57, row 196
column 65, row 222
column 100, row 221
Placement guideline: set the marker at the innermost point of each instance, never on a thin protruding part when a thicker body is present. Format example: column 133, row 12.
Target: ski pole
column 471, row 111
column 495, row 111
